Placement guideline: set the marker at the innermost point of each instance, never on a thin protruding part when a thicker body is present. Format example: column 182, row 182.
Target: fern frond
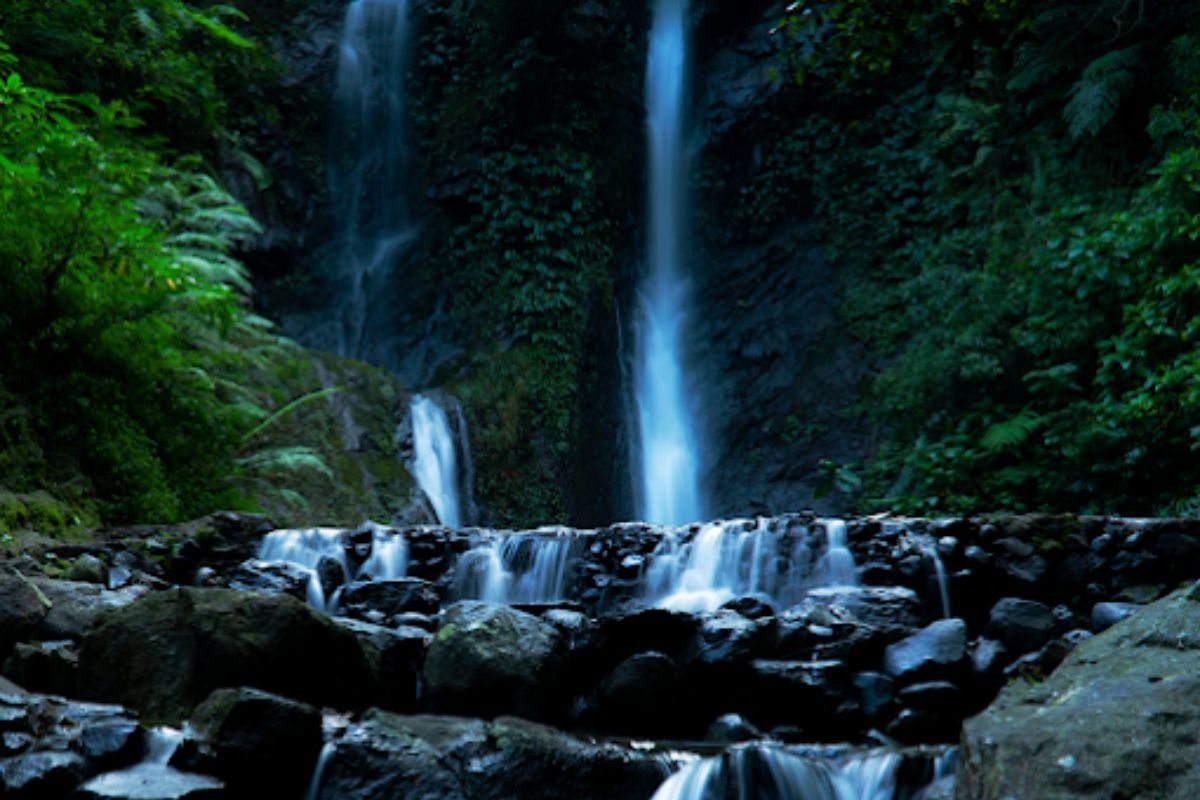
column 1097, row 94
column 1012, row 432
column 290, row 459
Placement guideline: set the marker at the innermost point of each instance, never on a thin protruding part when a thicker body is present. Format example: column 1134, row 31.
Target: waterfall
column 435, row 465
column 517, row 568
column 768, row 558
column 773, row 774
column 368, row 174
column 669, row 486
column 308, row 547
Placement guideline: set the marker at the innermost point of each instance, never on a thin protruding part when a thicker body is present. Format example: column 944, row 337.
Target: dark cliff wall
column 529, row 127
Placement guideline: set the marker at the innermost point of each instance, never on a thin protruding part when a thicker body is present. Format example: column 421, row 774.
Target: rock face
column 1120, row 718
column 168, row 651
column 416, row 758
column 489, row 659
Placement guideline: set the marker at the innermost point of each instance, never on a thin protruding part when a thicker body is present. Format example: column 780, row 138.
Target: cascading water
column 516, row 568
column 768, row 773
column 768, row 558
column 669, row 455
column 308, row 547
column 368, row 174
column 435, row 464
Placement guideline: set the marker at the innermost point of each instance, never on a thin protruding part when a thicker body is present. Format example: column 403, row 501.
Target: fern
column 1098, row 93
column 1012, row 432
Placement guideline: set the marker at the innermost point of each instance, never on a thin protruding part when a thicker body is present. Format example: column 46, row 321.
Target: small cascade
column 153, row 776
column 435, row 462
column 307, row 548
column 161, row 744
column 669, row 455
column 771, row 773
column 314, row 783
column 532, row 567
column 837, row 565
column 369, row 172
column 731, row 559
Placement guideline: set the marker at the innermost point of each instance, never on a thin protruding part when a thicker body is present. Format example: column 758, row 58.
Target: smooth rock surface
column 935, row 652
column 166, row 652
column 488, row 659
column 1120, row 718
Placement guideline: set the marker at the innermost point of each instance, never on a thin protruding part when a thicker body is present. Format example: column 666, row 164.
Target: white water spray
column 669, row 486
column 435, row 464
column 532, row 567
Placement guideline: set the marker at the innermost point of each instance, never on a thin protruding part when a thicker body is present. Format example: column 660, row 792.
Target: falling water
column 770, row 773
column 669, row 490
column 435, row 464
column 769, row 558
column 306, row 548
column 531, row 567
column 369, row 171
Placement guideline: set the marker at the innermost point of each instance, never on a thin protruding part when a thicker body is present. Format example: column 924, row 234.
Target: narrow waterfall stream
column 369, row 170
column 669, row 491
column 435, row 461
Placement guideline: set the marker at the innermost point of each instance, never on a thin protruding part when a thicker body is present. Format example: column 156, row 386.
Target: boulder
column 43, row 774
column 22, row 606
column 1020, row 625
column 74, row 605
column 726, row 637
column 166, row 652
column 261, row 741
column 395, row 657
column 45, row 667
column 421, row 757
column 1120, row 717
column 388, row 598
column 936, row 652
column 731, row 729
column 818, row 695
column 640, row 697
column 278, row 577
column 488, row 659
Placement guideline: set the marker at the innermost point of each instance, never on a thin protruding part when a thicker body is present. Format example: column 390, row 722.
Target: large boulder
column 421, row 757
column 1119, row 718
column 394, row 656
column 166, row 652
column 490, row 659
column 383, row 601
column 261, row 741
column 22, row 606
column 74, row 605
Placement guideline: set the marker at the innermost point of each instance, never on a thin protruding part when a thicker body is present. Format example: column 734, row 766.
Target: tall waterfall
column 669, row 490
column 435, row 465
column 368, row 175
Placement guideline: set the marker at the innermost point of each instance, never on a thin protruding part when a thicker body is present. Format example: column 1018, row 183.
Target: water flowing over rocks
column 591, row 639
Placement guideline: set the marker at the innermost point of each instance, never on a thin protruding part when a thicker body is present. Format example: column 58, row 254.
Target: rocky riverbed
column 426, row 662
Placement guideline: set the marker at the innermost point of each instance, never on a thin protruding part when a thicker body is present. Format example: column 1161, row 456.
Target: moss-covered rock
column 166, row 652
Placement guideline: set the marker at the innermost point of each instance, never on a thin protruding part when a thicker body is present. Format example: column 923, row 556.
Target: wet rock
column 389, row 598
column 330, row 574
column 1105, row 615
column 22, row 606
column 937, row 651
column 816, row 694
column 259, row 739
column 640, row 697
column 166, row 652
column 111, row 743
column 571, row 623
column 490, row 659
column 50, row 667
column 75, row 605
column 421, row 757
column 892, row 610
column 939, row 696
column 278, row 577
column 1020, row 625
column 395, row 657
column 730, row 729
column 41, row 775
column 87, row 568
column 751, row 606
column 1036, row 666
column 1120, row 717
column 727, row 637
column 875, row 693
column 988, row 658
